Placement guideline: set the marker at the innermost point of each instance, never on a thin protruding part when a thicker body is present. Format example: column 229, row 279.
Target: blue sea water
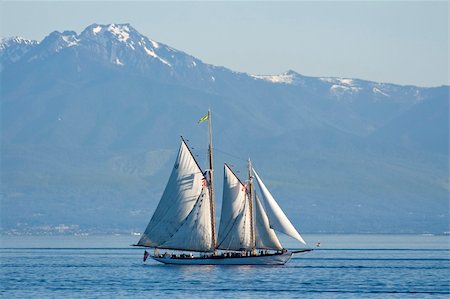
column 345, row 266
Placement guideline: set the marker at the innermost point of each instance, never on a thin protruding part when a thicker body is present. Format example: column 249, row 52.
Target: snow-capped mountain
column 110, row 42
column 123, row 46
column 119, row 45
column 345, row 88
column 89, row 123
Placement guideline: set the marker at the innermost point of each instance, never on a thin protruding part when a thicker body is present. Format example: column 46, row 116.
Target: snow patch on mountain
column 283, row 78
column 342, row 85
column 379, row 91
column 70, row 40
column 97, row 29
column 335, row 88
column 118, row 62
column 152, row 53
column 346, row 81
column 339, row 81
column 289, row 77
column 154, row 44
column 122, row 32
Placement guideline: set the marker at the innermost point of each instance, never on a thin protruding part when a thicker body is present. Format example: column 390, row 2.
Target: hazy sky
column 399, row 42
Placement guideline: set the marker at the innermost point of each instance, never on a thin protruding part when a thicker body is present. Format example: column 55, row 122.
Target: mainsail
column 234, row 230
column 277, row 219
column 182, row 219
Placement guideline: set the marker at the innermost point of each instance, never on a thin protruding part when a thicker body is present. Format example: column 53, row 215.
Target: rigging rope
column 230, row 155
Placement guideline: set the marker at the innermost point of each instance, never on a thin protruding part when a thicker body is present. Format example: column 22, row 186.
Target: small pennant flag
column 146, row 254
column 204, row 118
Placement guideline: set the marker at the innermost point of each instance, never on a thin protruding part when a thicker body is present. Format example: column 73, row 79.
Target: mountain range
column 90, row 125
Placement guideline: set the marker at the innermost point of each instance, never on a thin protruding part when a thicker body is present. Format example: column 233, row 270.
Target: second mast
column 211, row 184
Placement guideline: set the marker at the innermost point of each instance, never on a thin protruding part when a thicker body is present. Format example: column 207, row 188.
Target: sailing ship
column 184, row 220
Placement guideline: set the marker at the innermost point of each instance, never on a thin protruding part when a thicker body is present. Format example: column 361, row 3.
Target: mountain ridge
column 122, row 33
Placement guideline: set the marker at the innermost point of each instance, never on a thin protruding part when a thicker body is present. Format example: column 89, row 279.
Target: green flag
column 204, row 118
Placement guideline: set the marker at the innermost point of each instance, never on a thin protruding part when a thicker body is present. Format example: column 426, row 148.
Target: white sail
column 182, row 219
column 234, row 229
column 265, row 236
column 195, row 232
column 277, row 219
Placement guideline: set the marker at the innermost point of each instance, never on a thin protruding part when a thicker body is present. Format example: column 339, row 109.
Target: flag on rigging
column 146, row 254
column 204, row 118
column 207, row 175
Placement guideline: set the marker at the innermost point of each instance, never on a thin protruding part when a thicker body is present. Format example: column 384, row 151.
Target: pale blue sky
column 400, row 42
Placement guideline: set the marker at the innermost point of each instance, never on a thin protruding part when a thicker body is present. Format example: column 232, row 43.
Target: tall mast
column 252, row 218
column 211, row 184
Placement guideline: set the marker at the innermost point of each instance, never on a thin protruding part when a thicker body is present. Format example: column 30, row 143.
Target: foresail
column 277, row 219
column 264, row 235
column 234, row 229
column 182, row 217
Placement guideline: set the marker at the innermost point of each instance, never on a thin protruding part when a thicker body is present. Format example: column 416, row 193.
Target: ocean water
column 345, row 266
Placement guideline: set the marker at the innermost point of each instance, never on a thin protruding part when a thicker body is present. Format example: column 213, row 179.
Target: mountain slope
column 418, row 127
